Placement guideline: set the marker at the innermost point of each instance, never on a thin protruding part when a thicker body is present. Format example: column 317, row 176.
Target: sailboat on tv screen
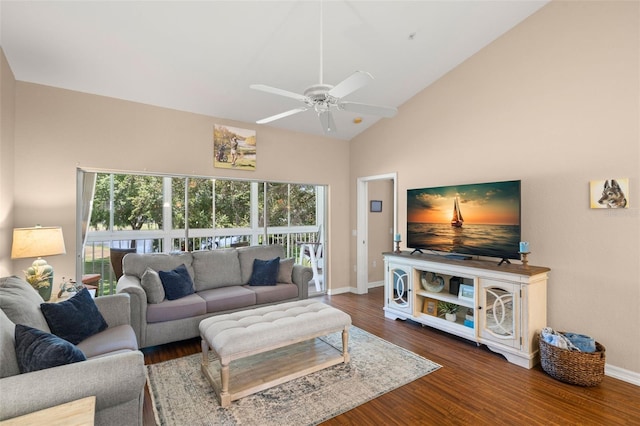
column 457, row 220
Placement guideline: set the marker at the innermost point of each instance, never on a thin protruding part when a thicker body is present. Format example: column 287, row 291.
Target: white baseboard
column 622, row 374
column 342, row 290
column 375, row 284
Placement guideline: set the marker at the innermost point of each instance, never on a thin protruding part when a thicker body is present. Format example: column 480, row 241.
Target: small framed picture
column 376, row 206
column 465, row 292
column 430, row 307
column 609, row 194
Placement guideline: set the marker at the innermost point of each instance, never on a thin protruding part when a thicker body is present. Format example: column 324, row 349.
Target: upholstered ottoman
column 270, row 345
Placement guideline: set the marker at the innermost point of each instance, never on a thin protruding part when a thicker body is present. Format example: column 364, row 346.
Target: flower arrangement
column 39, row 274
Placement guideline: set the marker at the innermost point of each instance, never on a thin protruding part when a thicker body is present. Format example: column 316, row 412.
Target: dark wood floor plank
column 474, row 386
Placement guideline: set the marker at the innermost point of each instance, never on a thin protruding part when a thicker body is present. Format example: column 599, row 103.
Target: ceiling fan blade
column 350, row 84
column 281, row 115
column 326, row 120
column 381, row 111
column 280, row 92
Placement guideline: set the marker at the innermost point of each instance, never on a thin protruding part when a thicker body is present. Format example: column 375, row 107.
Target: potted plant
column 449, row 310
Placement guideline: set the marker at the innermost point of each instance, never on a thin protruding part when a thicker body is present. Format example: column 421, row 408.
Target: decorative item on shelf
column 524, row 251
column 37, row 242
column 454, row 285
column 431, row 282
column 69, row 287
column 397, row 240
column 468, row 318
column 430, row 307
column 465, row 292
column 448, row 310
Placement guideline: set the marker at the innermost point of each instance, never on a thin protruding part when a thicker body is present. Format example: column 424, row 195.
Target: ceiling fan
column 322, row 98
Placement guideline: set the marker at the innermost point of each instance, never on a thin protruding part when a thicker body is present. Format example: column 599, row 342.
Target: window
column 152, row 213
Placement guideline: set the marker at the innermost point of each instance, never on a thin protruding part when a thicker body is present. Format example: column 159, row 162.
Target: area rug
column 182, row 396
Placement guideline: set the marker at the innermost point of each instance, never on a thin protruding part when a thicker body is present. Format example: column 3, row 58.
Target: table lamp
column 38, row 242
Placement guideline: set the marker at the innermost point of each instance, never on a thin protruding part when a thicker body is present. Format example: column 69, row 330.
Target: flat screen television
column 480, row 219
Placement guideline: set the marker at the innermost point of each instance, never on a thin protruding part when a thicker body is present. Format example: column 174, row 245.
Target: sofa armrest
column 301, row 276
column 115, row 309
column 130, row 284
column 113, row 379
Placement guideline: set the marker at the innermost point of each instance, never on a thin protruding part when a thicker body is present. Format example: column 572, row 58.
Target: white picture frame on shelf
column 465, row 292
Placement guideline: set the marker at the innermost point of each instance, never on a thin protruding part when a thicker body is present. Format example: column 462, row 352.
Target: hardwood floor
column 474, row 385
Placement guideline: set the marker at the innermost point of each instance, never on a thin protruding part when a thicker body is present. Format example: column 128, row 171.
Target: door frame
column 362, row 248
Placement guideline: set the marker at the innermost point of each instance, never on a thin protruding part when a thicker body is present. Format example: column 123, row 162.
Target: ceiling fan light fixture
column 323, row 97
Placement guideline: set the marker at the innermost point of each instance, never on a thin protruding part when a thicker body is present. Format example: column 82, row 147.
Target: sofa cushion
column 113, row 339
column 274, row 293
column 265, row 272
column 169, row 310
column 152, row 286
column 8, row 360
column 136, row 264
column 285, row 273
column 227, row 298
column 216, row 268
column 37, row 350
column 248, row 254
column 176, row 283
column 21, row 303
column 75, row 319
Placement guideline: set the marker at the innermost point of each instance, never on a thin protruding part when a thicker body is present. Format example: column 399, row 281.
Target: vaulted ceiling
column 202, row 56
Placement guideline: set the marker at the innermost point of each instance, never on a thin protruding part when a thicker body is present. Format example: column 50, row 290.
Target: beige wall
column 379, row 228
column 555, row 103
column 58, row 131
column 7, row 119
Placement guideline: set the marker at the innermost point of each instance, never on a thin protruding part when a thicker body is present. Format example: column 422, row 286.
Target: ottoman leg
column 345, row 344
column 205, row 352
column 225, row 398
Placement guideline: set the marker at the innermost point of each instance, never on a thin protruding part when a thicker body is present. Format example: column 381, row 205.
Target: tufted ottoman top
column 271, row 326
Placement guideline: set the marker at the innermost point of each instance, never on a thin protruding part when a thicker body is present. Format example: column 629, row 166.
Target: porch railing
column 97, row 251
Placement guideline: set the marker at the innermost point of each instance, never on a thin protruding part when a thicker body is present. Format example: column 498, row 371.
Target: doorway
column 362, row 230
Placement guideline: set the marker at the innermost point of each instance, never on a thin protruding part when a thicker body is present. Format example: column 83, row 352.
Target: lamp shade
column 37, row 242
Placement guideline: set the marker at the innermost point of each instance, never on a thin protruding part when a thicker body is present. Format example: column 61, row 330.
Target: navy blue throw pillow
column 75, row 319
column 37, row 350
column 177, row 283
column 265, row 272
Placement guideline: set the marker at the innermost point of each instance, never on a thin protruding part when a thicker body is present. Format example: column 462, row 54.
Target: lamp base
column 37, row 275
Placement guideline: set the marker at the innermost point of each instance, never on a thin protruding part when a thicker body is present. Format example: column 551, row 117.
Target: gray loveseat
column 220, row 278
column 114, row 370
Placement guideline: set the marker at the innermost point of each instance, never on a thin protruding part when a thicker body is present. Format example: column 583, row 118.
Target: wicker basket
column 577, row 368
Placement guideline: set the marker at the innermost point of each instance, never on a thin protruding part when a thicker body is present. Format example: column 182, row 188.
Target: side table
column 92, row 282
column 80, row 412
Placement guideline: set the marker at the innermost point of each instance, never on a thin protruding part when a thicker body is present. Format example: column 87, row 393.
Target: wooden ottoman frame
column 271, row 345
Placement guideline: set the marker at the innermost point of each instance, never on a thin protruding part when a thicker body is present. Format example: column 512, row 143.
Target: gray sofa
column 220, row 278
column 114, row 370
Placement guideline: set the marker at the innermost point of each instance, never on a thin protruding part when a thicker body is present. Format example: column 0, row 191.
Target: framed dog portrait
column 609, row 194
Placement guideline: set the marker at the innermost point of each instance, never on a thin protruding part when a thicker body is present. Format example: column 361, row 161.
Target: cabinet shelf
column 446, row 297
column 458, row 328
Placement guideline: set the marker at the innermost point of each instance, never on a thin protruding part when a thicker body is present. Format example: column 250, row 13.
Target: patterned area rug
column 182, row 396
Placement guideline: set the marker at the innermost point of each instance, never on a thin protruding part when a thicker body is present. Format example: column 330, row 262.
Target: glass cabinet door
column 499, row 312
column 398, row 291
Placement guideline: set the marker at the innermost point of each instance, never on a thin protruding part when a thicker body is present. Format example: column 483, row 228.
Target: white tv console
column 508, row 304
